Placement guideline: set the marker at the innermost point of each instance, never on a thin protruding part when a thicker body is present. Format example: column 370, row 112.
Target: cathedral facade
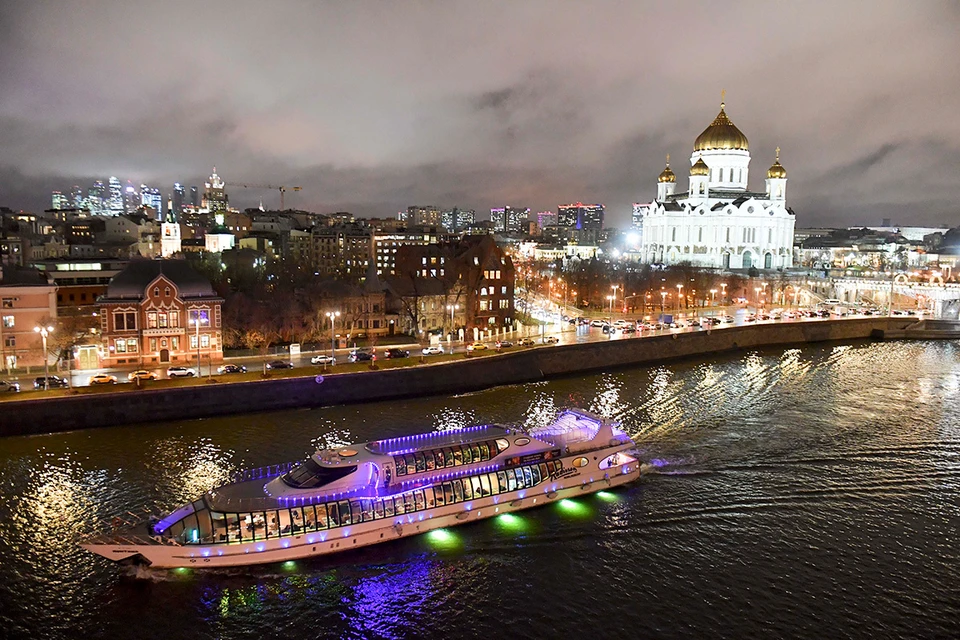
column 718, row 222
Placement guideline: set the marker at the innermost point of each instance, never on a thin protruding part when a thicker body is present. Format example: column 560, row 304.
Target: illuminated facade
column 718, row 222
column 214, row 197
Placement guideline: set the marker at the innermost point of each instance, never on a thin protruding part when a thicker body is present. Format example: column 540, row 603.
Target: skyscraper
column 214, row 197
column 76, row 195
column 178, row 196
column 509, row 219
column 429, row 216
column 59, row 201
column 152, row 198
column 580, row 216
column 457, row 219
column 114, row 204
column 131, row 199
column 95, row 198
column 194, row 197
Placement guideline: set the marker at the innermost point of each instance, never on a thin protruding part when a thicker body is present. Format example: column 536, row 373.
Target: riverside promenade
column 69, row 412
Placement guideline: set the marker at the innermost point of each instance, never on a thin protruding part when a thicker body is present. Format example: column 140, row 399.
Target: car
column 396, row 353
column 323, row 359
column 477, row 346
column 52, row 382
column 180, row 372
column 709, row 322
column 526, row 342
column 504, row 344
column 597, row 323
column 551, row 340
column 103, row 378
column 231, row 368
column 433, row 350
column 279, row 364
column 142, row 374
column 628, row 329
column 9, row 386
column 362, row 354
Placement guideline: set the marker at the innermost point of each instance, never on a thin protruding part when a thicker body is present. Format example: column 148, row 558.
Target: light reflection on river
column 797, row 493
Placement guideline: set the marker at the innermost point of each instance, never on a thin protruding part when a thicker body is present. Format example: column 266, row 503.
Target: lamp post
column 197, row 321
column 758, row 290
column 679, row 295
column 44, row 332
column 612, row 298
column 333, row 315
column 452, row 308
column 713, row 297
column 663, row 299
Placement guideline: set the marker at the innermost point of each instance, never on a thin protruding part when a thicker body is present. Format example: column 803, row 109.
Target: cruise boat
column 364, row 494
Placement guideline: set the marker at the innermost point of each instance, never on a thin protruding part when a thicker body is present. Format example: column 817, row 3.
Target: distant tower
column 777, row 180
column 214, row 197
column 699, row 179
column 667, row 182
column 169, row 238
column 115, row 200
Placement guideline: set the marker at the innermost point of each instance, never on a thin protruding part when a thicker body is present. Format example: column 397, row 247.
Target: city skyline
column 368, row 118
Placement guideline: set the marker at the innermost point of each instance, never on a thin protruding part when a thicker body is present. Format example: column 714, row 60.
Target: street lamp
column 679, row 294
column 713, row 297
column 44, row 332
column 452, row 308
column 663, row 299
column 612, row 298
column 333, row 315
column 197, row 321
column 758, row 290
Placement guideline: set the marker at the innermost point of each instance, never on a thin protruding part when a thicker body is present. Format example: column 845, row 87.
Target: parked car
column 323, row 359
column 477, row 346
column 433, row 350
column 526, row 342
column 9, row 386
column 504, row 344
column 597, row 323
column 551, row 340
column 362, row 355
column 231, row 368
column 279, row 364
column 142, row 374
column 53, row 382
column 180, row 372
column 709, row 322
column 103, row 378
column 396, row 353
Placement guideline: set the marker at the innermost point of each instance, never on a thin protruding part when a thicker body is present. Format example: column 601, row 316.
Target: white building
column 717, row 222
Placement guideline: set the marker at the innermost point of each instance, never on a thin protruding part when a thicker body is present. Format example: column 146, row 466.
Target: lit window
column 484, row 305
column 204, row 340
column 8, row 322
column 151, row 320
column 193, row 342
column 121, row 346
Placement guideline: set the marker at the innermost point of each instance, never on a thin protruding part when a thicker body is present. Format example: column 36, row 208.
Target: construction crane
column 282, row 189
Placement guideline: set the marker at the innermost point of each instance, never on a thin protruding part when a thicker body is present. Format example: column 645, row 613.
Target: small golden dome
column 721, row 134
column 776, row 170
column 667, row 175
column 699, row 168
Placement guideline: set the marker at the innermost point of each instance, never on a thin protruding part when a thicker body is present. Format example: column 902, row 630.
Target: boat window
column 283, row 522
column 485, row 451
column 431, row 460
column 457, row 456
column 551, row 467
column 502, row 444
column 457, row 491
column 448, row 493
column 420, row 499
column 398, row 505
column 401, row 465
column 421, row 461
column 310, row 474
column 378, row 509
column 528, row 477
column 521, row 441
column 388, row 508
column 346, row 517
column 502, row 477
column 475, row 487
column 476, row 452
column 367, row 507
column 484, row 484
column 468, row 455
column 535, row 474
column 408, row 503
column 322, row 522
column 233, row 527
column 357, row 511
column 580, row 462
column 438, row 496
column 448, row 457
column 411, row 463
column 512, row 480
column 544, row 474
column 309, row 518
column 333, row 510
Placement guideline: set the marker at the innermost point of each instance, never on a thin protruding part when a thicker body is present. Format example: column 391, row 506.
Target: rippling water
column 803, row 493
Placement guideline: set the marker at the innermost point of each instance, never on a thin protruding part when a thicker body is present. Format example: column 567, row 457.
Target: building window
column 166, row 292
column 132, row 345
column 8, row 322
column 484, row 305
column 504, row 304
column 174, row 343
column 162, row 319
column 156, row 292
column 174, row 318
column 193, row 342
column 124, row 321
column 10, row 341
column 153, row 344
column 8, row 303
column 204, row 341
column 483, row 291
column 120, row 345
column 151, row 320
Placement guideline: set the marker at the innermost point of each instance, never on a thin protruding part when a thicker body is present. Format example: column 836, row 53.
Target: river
column 796, row 493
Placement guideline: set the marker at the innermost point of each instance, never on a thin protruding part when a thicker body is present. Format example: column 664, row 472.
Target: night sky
column 374, row 106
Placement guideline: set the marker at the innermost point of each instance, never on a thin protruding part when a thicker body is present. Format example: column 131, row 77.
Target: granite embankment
column 470, row 374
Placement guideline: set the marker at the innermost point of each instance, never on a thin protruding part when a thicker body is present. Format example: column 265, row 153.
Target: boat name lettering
column 563, row 473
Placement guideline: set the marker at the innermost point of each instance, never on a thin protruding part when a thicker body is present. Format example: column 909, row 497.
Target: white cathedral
column 718, row 222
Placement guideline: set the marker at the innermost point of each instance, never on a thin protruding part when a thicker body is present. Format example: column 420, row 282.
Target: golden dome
column 667, row 175
column 776, row 170
column 721, row 134
column 699, row 168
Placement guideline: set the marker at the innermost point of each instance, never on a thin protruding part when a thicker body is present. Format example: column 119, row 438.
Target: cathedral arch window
column 673, row 237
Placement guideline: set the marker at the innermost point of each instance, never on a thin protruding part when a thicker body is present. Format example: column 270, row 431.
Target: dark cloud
column 373, row 106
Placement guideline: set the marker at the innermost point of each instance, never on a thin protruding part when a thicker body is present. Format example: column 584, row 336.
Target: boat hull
column 321, row 543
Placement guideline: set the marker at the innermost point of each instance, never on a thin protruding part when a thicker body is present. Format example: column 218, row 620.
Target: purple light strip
column 428, row 436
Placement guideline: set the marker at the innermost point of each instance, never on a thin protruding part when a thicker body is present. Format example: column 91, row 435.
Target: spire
column 668, row 159
column 778, row 154
column 723, row 97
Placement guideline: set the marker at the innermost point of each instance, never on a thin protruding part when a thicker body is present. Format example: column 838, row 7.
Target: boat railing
column 219, row 502
column 270, row 471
